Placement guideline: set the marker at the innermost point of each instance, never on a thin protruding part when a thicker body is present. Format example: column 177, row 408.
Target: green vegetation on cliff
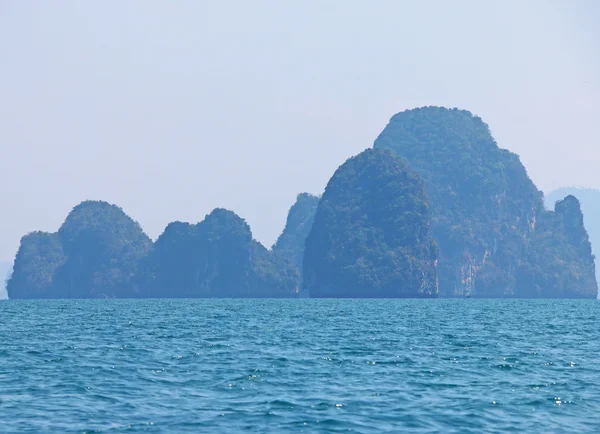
column 100, row 252
column 271, row 274
column 39, row 257
column 435, row 178
column 370, row 237
column 216, row 258
column 487, row 215
column 95, row 253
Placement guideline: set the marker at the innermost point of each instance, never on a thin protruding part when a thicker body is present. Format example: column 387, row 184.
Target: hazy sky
column 171, row 108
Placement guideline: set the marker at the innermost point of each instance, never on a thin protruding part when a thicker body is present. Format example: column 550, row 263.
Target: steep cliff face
column 590, row 206
column 217, row 258
column 560, row 262
column 292, row 240
column 486, row 212
column 95, row 253
column 370, row 237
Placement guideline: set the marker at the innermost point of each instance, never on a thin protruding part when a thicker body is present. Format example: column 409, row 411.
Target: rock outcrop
column 300, row 219
column 216, row 258
column 371, row 237
column 487, row 215
column 94, row 254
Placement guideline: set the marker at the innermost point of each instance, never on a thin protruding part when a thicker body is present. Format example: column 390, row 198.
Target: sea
column 302, row 365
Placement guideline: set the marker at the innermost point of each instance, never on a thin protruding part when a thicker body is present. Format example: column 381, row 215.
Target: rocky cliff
column 371, row 236
column 487, row 215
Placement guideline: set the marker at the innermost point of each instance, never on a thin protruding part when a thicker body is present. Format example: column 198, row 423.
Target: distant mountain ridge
column 436, row 208
column 100, row 252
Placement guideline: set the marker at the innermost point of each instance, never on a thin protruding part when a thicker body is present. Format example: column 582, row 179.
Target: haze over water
column 299, row 366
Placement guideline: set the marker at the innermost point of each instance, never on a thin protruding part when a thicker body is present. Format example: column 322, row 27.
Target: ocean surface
column 299, row 366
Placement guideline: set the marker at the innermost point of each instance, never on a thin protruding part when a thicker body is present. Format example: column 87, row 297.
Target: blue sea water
column 299, row 366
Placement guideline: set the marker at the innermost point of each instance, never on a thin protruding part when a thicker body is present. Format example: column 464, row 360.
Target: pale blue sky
column 170, row 109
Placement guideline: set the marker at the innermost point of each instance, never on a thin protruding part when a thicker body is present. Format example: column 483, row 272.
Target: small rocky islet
column 434, row 209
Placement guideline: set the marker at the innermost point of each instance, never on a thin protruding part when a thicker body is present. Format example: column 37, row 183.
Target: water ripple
column 472, row 366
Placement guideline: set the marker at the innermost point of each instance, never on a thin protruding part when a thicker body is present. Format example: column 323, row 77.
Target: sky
column 170, row 109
